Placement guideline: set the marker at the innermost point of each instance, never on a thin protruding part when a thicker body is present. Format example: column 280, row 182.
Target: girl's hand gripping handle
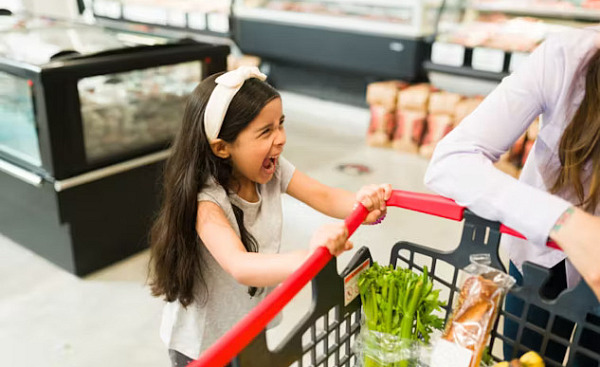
column 424, row 203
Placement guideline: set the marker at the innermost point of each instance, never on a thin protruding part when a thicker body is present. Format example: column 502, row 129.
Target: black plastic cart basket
column 324, row 337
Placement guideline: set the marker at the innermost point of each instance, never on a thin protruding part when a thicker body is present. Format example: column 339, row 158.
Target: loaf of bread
column 474, row 316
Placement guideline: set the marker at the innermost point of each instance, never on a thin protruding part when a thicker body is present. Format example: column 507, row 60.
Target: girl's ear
column 220, row 148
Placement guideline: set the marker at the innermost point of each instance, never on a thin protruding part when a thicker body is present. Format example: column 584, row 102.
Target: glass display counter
column 87, row 114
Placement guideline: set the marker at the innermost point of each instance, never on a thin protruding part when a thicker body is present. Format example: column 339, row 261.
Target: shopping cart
column 324, row 337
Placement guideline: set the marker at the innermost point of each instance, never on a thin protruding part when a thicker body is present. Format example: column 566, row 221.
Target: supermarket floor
column 49, row 317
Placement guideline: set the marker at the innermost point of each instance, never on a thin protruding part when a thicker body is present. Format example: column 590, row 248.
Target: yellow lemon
column 532, row 359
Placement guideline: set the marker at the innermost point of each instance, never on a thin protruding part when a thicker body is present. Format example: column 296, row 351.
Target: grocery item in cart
column 479, row 301
column 399, row 316
column 529, row 359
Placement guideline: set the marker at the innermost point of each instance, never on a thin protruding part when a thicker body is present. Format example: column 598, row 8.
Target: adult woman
column 558, row 192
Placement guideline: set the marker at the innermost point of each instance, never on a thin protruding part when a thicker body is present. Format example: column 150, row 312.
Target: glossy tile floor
column 49, row 317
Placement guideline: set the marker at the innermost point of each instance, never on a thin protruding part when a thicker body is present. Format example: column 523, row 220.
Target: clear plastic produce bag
column 376, row 349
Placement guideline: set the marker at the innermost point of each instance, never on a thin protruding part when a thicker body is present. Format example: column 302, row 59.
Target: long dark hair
column 175, row 256
column 580, row 143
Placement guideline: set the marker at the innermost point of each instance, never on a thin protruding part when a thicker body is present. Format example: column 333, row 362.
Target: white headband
column 228, row 85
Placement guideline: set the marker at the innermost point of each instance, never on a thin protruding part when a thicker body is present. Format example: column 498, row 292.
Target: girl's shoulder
column 214, row 192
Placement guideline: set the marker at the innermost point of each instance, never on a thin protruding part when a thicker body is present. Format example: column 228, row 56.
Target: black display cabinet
column 86, row 118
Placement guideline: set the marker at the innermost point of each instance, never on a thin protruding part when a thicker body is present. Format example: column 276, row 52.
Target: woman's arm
column 336, row 202
column 462, row 165
column 257, row 269
column 578, row 233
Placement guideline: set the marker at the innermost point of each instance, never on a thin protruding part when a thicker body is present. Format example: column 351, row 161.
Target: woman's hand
column 333, row 236
column 578, row 234
column 373, row 197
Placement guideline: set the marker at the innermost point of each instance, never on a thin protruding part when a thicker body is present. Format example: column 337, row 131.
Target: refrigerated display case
column 367, row 39
column 492, row 37
column 87, row 114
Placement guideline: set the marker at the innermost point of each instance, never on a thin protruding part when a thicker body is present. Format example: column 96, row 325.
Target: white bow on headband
column 227, row 86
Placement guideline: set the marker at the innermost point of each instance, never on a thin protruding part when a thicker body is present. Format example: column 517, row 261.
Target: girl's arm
column 462, row 165
column 336, row 202
column 256, row 269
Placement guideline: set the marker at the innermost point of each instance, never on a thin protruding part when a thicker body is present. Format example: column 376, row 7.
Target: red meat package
column 384, row 94
column 438, row 126
column 381, row 127
column 410, row 128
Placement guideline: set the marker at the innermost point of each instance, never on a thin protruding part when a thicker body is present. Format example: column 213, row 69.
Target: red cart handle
column 236, row 339
column 428, row 204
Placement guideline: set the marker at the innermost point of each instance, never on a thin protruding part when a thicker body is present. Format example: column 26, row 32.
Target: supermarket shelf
column 464, row 71
column 464, row 85
column 337, row 23
column 523, row 8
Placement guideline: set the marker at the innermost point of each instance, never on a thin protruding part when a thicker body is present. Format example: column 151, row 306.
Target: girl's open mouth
column 269, row 164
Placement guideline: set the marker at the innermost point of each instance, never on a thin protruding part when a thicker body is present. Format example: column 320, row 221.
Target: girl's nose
column 280, row 139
